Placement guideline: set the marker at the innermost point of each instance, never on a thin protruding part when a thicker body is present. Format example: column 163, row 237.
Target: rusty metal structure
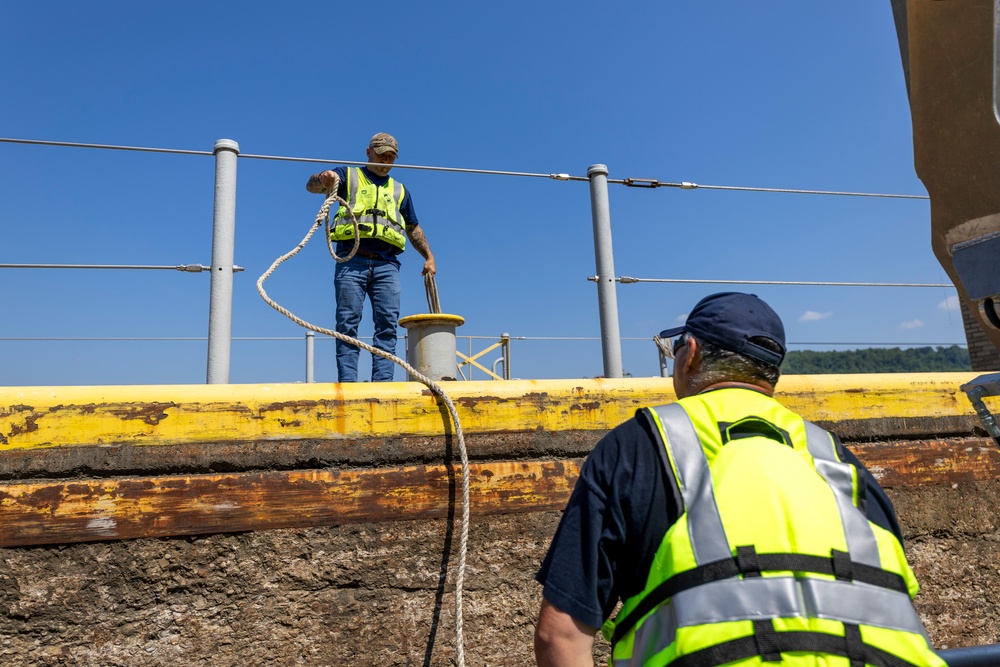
column 949, row 56
column 83, row 464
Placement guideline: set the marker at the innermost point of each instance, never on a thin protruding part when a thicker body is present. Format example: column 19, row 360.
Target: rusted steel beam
column 931, row 462
column 123, row 508
column 132, row 507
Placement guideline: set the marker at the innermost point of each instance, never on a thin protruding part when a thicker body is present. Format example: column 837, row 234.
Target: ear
column 693, row 358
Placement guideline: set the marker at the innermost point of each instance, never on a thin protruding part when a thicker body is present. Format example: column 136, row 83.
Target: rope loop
column 324, row 216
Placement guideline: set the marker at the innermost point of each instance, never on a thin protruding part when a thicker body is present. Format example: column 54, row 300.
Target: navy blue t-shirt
column 618, row 514
column 385, row 250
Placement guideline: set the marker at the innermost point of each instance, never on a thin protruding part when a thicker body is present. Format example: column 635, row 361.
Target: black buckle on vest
column 746, row 561
column 843, row 566
column 855, row 646
column 767, row 641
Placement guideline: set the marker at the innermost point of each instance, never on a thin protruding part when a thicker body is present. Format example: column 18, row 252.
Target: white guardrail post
column 607, row 295
column 310, row 356
column 220, row 308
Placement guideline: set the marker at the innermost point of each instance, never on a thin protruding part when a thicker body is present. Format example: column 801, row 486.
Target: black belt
column 368, row 254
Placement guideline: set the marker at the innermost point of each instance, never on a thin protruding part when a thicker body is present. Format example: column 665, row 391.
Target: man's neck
column 375, row 178
column 763, row 388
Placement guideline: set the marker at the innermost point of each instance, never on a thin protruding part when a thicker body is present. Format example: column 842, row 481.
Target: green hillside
column 877, row 360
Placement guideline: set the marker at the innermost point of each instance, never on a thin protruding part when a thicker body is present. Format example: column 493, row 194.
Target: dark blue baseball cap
column 729, row 320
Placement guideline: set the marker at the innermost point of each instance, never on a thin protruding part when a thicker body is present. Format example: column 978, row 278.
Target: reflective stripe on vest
column 775, row 597
column 861, row 543
column 377, row 213
column 708, row 538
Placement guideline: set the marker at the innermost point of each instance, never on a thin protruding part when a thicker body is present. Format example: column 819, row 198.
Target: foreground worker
column 386, row 218
column 734, row 531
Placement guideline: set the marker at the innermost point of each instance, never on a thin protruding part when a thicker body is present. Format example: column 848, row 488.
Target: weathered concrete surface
column 370, row 594
column 327, row 596
column 373, row 592
column 954, row 547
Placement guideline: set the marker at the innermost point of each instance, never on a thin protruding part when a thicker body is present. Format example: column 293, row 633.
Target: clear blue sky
column 783, row 94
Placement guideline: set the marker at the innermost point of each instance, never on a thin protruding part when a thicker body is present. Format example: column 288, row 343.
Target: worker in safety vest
column 733, row 531
column 386, row 219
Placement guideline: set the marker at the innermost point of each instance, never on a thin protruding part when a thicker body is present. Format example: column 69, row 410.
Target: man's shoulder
column 622, row 450
column 626, row 435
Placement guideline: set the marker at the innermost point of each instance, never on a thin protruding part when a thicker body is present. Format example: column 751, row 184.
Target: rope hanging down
column 463, row 540
column 433, row 303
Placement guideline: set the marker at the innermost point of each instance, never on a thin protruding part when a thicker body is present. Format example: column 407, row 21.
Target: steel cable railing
column 629, row 182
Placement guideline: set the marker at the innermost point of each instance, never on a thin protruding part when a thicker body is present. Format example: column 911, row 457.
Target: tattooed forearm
column 419, row 241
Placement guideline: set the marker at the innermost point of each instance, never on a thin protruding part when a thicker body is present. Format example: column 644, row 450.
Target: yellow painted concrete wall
column 44, row 417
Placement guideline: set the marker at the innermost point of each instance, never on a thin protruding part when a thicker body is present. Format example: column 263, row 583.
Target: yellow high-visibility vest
column 773, row 560
column 376, row 209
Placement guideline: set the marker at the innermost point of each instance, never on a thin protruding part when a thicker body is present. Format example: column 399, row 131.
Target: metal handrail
column 972, row 656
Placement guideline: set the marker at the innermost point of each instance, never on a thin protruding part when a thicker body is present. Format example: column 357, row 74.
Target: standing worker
column 734, row 531
column 386, row 218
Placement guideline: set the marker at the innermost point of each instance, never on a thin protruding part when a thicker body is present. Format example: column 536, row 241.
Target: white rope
column 324, row 216
column 463, row 539
column 665, row 347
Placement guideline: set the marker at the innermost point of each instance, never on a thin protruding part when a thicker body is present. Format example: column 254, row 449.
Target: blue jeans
column 379, row 281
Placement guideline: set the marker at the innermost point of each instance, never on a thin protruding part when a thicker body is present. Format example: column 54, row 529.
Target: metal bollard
column 430, row 344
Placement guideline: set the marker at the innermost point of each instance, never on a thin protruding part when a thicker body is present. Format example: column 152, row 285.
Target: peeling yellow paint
column 37, row 417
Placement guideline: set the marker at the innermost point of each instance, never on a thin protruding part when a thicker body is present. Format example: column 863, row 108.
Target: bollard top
column 228, row 145
column 430, row 319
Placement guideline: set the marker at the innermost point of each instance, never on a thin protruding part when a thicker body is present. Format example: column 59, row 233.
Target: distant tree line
column 877, row 360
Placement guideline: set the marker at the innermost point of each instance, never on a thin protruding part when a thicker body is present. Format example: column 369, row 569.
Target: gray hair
column 720, row 365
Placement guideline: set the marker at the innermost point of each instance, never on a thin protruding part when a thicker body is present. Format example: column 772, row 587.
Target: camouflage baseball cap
column 383, row 143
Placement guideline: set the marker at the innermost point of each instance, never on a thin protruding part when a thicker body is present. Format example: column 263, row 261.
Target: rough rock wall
column 952, row 541
column 362, row 594
column 372, row 593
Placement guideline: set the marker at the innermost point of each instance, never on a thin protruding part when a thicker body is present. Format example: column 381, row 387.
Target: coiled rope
column 323, row 217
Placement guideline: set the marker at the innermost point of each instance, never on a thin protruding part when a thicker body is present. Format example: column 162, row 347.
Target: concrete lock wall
column 318, row 524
